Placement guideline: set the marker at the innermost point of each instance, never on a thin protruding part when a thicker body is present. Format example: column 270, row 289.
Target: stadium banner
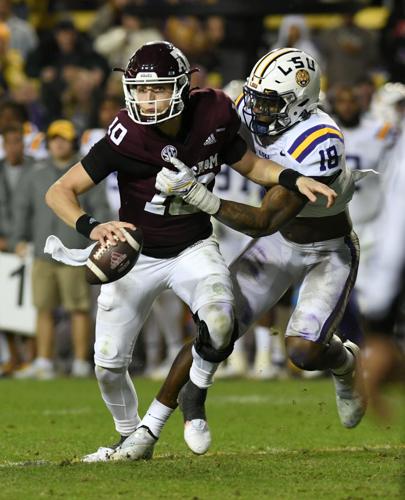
column 17, row 314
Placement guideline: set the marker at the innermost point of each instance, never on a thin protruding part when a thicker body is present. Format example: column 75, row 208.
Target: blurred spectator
column 80, row 96
column 13, row 113
column 383, row 298
column 105, row 114
column 119, row 43
column 107, row 111
column 367, row 145
column 11, row 63
column 393, row 42
column 57, row 63
column 55, row 284
column 208, row 47
column 13, row 169
column 388, row 103
column 294, row 32
column 364, row 89
column 107, row 16
column 350, row 52
column 23, row 37
column 187, row 33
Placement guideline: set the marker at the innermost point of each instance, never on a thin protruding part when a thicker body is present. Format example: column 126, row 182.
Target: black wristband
column 288, row 179
column 85, row 225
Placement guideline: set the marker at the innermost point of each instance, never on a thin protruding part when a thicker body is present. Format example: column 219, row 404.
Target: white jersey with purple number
column 314, row 147
column 366, row 146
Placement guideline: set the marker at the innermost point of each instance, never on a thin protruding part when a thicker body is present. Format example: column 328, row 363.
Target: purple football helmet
column 156, row 63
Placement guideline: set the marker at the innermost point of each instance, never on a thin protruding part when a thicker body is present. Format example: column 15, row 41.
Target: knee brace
column 203, row 344
column 108, row 376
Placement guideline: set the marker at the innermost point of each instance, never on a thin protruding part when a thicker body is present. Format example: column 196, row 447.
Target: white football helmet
column 282, row 89
column 388, row 103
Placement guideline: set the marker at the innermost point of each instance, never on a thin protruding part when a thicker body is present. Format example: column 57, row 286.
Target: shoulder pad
column 307, row 141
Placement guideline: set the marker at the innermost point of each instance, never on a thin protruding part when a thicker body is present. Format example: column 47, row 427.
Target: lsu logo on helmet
column 282, row 89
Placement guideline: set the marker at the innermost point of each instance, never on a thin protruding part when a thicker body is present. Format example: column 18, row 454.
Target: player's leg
column 256, row 292
column 152, row 342
column 76, row 299
column 350, row 327
column 201, row 279
column 169, row 315
column 263, row 367
column 217, row 332
column 46, row 298
column 311, row 343
column 122, row 309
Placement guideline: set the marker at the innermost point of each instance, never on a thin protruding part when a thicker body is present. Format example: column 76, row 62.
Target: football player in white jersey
column 317, row 248
column 230, row 185
column 367, row 143
column 164, row 119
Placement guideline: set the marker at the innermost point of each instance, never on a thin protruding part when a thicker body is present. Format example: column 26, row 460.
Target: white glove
column 176, row 183
column 184, row 184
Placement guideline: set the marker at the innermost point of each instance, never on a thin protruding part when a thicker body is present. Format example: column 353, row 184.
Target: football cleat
column 196, row 431
column 351, row 405
column 138, row 446
column 103, row 454
column 197, row 435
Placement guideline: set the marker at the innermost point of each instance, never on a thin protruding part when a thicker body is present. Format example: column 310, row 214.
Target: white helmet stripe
column 264, row 63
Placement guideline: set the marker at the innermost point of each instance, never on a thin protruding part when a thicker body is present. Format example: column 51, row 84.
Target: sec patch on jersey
column 108, row 263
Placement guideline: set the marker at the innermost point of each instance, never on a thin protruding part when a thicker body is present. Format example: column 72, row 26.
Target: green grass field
column 271, row 440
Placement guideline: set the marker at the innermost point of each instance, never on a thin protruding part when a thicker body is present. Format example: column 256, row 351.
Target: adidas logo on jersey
column 210, row 140
column 116, row 259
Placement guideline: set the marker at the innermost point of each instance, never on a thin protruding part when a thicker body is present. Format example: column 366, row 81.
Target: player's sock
column 202, row 372
column 156, row 417
column 278, row 354
column 348, row 364
column 263, row 339
column 192, row 401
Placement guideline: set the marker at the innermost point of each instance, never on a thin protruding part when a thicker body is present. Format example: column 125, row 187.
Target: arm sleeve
column 100, row 161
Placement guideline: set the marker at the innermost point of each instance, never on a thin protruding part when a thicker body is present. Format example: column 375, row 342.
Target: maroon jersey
column 208, row 138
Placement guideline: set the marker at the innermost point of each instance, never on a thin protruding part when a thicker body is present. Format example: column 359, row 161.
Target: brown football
column 108, row 263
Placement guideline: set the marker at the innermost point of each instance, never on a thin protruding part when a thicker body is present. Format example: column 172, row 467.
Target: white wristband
column 202, row 198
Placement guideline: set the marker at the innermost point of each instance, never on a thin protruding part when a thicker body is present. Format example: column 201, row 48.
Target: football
column 108, row 263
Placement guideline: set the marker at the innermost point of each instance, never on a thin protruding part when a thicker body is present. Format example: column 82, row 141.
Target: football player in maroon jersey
column 163, row 120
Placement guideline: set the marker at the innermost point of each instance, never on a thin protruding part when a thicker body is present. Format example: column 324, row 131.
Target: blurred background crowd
column 58, row 94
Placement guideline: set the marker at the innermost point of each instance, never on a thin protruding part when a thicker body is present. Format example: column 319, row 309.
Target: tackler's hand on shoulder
column 183, row 183
column 178, row 182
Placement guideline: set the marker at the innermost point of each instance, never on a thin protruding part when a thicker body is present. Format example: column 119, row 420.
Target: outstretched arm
column 278, row 207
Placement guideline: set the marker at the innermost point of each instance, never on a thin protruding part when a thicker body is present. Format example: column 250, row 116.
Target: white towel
column 70, row 256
